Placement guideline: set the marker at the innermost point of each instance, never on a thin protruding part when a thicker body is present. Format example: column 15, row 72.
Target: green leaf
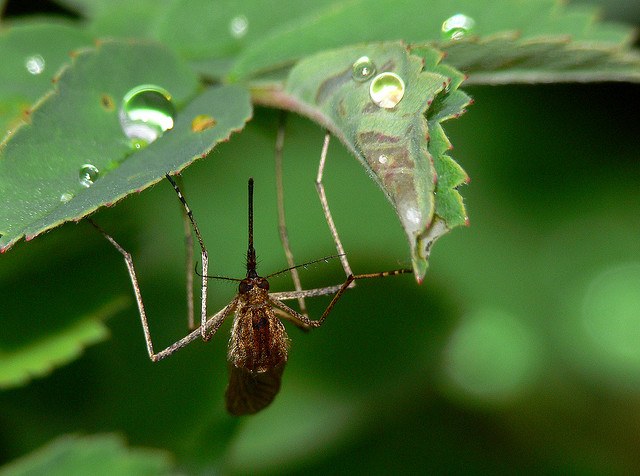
column 511, row 41
column 39, row 356
column 30, row 47
column 79, row 124
column 222, row 35
column 102, row 454
column 508, row 59
column 544, row 29
column 398, row 147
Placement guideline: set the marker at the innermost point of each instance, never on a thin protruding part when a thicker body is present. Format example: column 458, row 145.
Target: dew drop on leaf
column 147, row 112
column 35, row 64
column 363, row 69
column 88, row 175
column 387, row 90
column 457, row 27
column 239, row 26
column 65, row 197
column 383, row 159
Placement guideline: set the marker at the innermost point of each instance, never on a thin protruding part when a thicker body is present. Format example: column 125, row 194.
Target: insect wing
column 249, row 392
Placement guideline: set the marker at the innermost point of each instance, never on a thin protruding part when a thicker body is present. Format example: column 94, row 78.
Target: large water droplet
column 363, row 69
column 34, row 64
column 387, row 90
column 146, row 113
column 239, row 26
column 457, row 27
column 88, row 175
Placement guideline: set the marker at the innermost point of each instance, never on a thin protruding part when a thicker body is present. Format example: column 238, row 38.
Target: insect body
column 258, row 350
column 259, row 345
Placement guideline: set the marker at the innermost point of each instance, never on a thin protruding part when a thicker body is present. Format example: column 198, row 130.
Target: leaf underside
column 402, row 150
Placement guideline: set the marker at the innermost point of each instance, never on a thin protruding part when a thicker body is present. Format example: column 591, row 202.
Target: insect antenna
column 303, row 265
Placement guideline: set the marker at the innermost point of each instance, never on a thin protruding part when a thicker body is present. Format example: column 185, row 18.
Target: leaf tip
column 422, row 248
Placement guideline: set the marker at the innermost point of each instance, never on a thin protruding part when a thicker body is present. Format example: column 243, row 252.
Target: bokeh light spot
column 611, row 315
column 492, row 355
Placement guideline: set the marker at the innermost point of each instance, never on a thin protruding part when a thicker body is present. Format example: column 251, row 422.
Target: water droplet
column 88, row 175
column 65, row 197
column 457, row 27
column 383, row 159
column 387, row 90
column 239, row 26
column 138, row 144
column 34, row 64
column 146, row 113
column 202, row 122
column 363, row 69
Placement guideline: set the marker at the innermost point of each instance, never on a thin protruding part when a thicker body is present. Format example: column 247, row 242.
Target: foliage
column 453, row 376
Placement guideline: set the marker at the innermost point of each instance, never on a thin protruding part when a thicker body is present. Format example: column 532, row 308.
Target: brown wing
column 249, row 392
column 258, row 341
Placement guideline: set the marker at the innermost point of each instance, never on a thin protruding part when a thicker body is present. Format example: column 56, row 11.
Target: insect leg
column 204, row 255
column 282, row 225
column 325, row 207
column 303, row 321
column 189, row 266
column 213, row 323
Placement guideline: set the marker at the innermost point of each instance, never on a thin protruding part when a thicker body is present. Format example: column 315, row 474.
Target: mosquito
column 258, row 347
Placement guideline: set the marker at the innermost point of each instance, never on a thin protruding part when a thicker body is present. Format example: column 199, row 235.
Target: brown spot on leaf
column 202, row 122
column 107, row 103
column 342, row 110
column 370, row 137
column 388, row 66
column 331, row 84
column 26, row 115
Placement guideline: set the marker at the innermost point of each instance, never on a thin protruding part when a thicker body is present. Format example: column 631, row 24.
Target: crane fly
column 259, row 345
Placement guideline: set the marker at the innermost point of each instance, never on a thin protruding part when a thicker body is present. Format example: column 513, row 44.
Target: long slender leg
column 210, row 328
column 282, row 225
column 204, row 255
column 303, row 321
column 325, row 207
column 188, row 261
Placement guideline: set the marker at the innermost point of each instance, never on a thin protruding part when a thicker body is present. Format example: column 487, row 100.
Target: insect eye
column 245, row 286
column 263, row 284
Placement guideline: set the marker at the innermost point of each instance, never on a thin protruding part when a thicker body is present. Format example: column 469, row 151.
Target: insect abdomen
column 259, row 341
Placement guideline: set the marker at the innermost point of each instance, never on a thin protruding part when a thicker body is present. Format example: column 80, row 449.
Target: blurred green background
column 519, row 352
